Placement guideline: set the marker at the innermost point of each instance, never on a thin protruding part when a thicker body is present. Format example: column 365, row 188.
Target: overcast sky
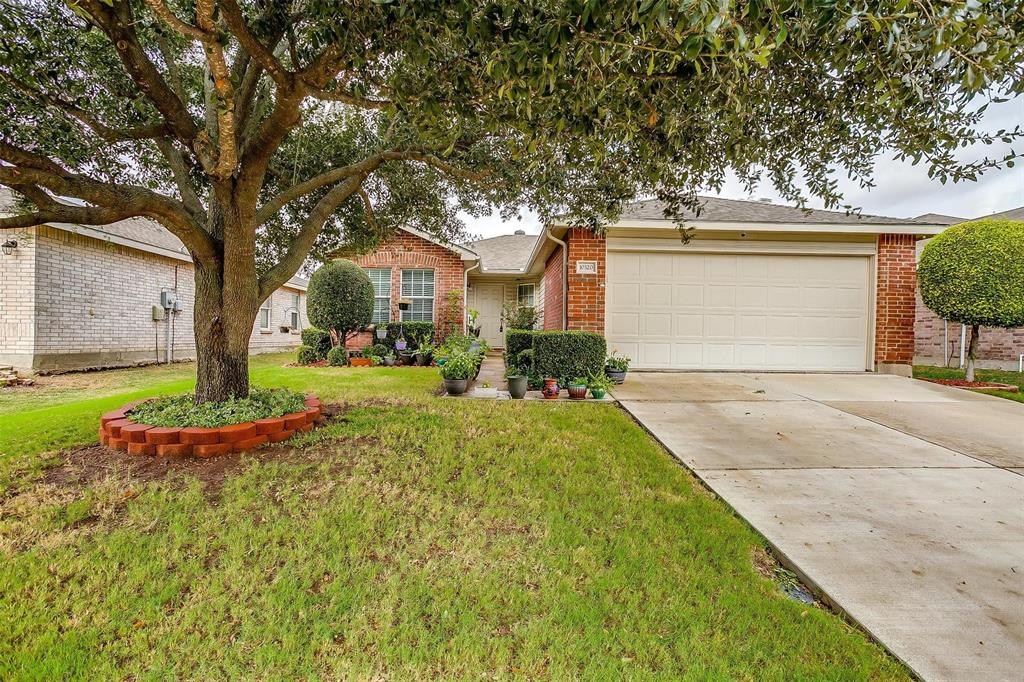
column 901, row 189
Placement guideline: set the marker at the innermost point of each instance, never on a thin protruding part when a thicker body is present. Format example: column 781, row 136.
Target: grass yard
column 412, row 537
column 998, row 375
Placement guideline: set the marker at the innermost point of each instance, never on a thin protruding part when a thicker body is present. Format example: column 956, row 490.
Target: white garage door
column 738, row 311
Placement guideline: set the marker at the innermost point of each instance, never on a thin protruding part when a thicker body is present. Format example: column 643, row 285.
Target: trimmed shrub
column 181, row 410
column 337, row 357
column 308, row 355
column 318, row 340
column 378, row 349
column 563, row 355
column 518, row 340
column 340, row 299
column 416, row 333
column 973, row 273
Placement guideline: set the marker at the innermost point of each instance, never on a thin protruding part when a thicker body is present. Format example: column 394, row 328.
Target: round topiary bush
column 337, row 357
column 340, row 299
column 308, row 355
column 973, row 273
column 318, row 340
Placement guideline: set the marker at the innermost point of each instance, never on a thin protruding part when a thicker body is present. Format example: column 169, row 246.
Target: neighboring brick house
column 78, row 297
column 938, row 342
column 758, row 287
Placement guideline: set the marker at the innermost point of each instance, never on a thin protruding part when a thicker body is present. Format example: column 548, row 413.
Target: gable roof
column 717, row 209
column 465, row 253
column 505, row 253
column 940, row 218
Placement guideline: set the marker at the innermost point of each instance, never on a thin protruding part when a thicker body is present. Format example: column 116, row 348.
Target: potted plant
column 457, row 372
column 388, row 360
column 357, row 359
column 382, row 333
column 400, row 343
column 424, row 354
column 578, row 389
column 599, row 385
column 517, row 383
column 615, row 367
column 551, row 389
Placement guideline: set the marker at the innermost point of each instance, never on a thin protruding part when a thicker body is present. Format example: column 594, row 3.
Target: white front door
column 487, row 300
column 739, row 311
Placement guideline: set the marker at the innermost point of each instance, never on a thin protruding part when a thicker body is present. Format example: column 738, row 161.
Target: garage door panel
column 743, row 311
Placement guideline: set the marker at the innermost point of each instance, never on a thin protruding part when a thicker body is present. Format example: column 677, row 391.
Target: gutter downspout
column 565, row 276
column 465, row 295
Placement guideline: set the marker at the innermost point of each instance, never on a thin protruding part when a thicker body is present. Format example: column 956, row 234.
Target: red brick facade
column 553, row 291
column 407, row 251
column 936, row 344
column 895, row 301
column 586, row 291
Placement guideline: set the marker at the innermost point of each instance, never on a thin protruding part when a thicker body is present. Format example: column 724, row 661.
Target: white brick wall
column 17, row 299
column 93, row 305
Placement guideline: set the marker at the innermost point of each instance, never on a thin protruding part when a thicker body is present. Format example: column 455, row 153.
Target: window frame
column 533, row 295
column 294, row 314
column 424, row 301
column 385, row 279
column 265, row 306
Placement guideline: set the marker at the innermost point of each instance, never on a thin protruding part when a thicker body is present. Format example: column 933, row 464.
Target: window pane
column 418, row 285
column 381, row 279
column 264, row 318
column 381, row 310
column 525, row 294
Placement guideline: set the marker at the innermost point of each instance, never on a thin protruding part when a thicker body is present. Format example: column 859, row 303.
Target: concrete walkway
column 900, row 501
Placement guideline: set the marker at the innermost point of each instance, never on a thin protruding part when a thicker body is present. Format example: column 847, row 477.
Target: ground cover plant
column 182, row 410
column 410, row 537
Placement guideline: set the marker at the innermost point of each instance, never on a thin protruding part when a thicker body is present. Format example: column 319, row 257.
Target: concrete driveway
column 901, row 502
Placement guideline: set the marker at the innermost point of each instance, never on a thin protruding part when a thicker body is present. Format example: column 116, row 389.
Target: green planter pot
column 517, row 387
column 598, row 393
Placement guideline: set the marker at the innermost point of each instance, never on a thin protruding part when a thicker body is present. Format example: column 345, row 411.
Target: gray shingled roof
column 509, row 252
column 721, row 210
column 1012, row 214
column 939, row 219
column 142, row 231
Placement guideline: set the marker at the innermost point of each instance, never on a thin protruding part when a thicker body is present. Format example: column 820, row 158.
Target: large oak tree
column 260, row 132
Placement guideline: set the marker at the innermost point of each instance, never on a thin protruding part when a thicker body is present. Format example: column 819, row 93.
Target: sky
column 901, row 189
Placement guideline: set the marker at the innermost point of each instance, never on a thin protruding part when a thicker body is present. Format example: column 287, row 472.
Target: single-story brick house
column 759, row 287
column 77, row 297
column 938, row 342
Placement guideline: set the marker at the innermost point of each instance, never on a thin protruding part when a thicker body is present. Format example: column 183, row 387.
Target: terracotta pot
column 578, row 391
column 551, row 389
column 361, row 362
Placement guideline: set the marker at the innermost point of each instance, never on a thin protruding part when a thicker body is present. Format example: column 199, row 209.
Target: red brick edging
column 121, row 433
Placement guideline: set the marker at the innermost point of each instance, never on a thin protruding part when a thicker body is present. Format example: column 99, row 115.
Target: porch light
column 9, row 246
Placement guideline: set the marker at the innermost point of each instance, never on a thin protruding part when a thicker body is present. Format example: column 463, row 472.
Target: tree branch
column 371, row 217
column 236, row 24
column 176, row 162
column 303, row 242
column 80, row 215
column 348, row 98
column 105, row 132
column 270, row 209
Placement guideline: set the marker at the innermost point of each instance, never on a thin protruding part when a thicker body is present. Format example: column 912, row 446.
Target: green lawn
column 998, row 375
column 413, row 537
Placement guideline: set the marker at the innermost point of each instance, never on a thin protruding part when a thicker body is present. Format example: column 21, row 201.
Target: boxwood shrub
column 308, row 355
column 564, row 355
column 416, row 333
column 337, row 357
column 318, row 340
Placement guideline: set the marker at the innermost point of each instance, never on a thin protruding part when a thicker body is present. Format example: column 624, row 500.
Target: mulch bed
column 976, row 385
column 82, row 466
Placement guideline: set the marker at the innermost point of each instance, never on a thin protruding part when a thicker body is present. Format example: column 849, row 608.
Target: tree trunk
column 222, row 341
column 972, row 352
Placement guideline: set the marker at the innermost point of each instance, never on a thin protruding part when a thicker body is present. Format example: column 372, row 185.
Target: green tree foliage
column 340, row 299
column 261, row 133
column 973, row 273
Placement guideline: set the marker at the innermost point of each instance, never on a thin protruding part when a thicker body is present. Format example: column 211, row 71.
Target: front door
column 487, row 300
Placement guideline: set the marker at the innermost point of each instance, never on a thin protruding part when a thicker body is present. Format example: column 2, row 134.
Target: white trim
column 461, row 250
column 822, row 248
column 825, row 228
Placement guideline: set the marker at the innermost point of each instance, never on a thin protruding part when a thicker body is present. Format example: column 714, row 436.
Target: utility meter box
column 177, row 305
column 167, row 299
column 158, row 313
